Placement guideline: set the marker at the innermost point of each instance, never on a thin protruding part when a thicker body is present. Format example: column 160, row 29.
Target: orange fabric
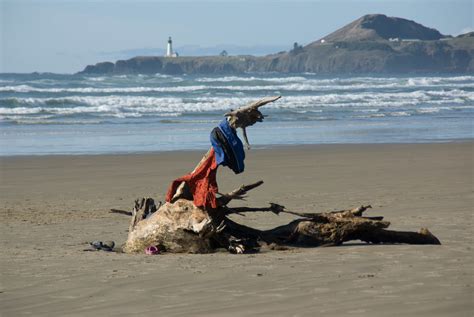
column 202, row 183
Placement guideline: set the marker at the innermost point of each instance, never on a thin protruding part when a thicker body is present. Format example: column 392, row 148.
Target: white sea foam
column 26, row 88
column 96, row 78
column 422, row 81
column 116, row 104
column 399, row 81
column 252, row 78
column 269, row 84
column 366, row 110
column 17, row 88
column 21, row 110
column 428, row 110
column 374, row 115
column 400, row 114
column 371, row 97
column 430, row 81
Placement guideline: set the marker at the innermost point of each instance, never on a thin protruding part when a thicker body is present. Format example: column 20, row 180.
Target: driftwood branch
column 122, row 212
column 142, row 209
column 277, row 209
column 248, row 115
column 238, row 193
column 424, row 236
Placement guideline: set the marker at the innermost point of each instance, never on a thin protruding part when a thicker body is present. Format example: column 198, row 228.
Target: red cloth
column 202, row 183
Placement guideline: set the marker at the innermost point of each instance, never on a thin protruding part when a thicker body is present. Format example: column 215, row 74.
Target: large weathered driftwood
column 180, row 226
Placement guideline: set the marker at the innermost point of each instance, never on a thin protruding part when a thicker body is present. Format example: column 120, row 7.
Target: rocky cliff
column 372, row 44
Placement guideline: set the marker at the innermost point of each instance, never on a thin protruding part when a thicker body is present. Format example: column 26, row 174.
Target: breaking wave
column 105, row 114
column 26, row 88
column 93, row 100
column 243, row 84
column 139, row 106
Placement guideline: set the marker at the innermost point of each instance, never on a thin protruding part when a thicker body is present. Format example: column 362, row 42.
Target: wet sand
column 52, row 206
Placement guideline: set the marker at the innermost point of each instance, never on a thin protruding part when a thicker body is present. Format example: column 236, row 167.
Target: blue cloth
column 228, row 147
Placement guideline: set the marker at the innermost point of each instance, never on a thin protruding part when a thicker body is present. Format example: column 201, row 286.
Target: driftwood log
column 180, row 226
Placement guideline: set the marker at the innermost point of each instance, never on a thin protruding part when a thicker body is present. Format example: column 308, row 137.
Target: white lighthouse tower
column 169, row 49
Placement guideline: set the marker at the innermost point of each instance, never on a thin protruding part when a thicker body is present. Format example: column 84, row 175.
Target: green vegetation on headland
column 371, row 44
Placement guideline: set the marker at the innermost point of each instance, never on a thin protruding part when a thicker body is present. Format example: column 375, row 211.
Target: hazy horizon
column 65, row 36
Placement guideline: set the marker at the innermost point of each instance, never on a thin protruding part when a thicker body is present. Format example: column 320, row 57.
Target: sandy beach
column 51, row 206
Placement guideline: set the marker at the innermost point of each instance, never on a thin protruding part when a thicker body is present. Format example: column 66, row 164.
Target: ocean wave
column 414, row 97
column 429, row 110
column 27, row 88
column 370, row 116
column 38, row 121
column 251, row 78
column 194, row 88
column 401, row 81
column 117, row 104
column 400, row 114
column 430, row 81
column 96, row 78
column 305, row 98
column 297, row 84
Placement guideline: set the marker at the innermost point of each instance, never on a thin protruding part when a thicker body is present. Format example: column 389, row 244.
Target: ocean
column 76, row 114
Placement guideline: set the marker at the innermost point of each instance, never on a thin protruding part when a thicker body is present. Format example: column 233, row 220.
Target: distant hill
column 373, row 43
column 373, row 27
column 469, row 34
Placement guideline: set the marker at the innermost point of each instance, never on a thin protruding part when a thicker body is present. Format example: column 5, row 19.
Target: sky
column 63, row 36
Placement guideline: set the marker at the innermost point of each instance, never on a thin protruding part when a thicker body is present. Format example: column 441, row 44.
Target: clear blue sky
column 64, row 36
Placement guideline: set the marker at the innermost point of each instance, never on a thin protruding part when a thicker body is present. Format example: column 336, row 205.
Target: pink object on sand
column 151, row 250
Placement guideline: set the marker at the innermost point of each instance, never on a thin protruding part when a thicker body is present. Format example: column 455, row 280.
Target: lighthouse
column 169, row 49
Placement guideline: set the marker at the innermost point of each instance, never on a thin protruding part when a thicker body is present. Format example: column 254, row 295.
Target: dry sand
column 51, row 206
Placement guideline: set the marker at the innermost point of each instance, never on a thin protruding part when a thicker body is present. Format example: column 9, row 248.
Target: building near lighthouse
column 169, row 49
